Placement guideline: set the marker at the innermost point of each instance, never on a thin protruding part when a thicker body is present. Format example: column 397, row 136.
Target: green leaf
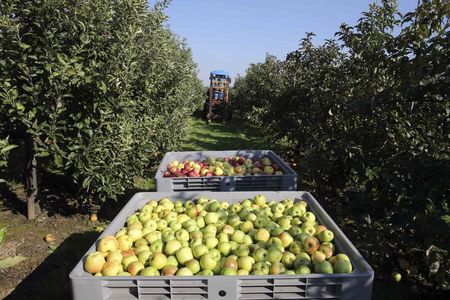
column 24, row 46
column 11, row 261
column 8, row 148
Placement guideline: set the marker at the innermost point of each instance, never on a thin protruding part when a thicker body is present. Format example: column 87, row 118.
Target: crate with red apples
column 223, row 166
column 237, row 170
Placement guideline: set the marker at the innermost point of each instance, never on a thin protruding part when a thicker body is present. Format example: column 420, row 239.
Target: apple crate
column 356, row 285
column 285, row 182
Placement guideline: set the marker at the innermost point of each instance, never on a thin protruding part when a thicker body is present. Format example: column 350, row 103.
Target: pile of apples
column 235, row 166
column 209, row 237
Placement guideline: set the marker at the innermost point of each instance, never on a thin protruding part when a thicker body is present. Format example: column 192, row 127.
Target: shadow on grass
column 50, row 280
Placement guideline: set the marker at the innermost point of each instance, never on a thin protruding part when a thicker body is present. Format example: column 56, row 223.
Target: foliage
column 99, row 88
column 367, row 117
column 5, row 148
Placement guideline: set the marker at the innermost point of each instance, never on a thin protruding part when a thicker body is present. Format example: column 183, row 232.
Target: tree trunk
column 31, row 179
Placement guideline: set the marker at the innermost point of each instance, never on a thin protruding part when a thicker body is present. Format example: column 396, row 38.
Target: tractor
column 217, row 105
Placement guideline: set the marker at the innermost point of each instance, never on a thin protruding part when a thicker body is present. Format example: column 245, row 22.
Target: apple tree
column 366, row 117
column 96, row 91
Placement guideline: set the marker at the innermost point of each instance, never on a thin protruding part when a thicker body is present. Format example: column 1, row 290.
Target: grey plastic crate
column 356, row 285
column 286, row 182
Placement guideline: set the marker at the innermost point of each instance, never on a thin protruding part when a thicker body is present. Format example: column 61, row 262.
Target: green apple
column 199, row 251
column 318, row 256
column 172, row 261
column 246, row 226
column 260, row 200
column 211, row 218
column 157, row 246
column 262, row 268
column 184, row 254
column 342, row 256
column 238, row 236
column 296, row 247
column 278, row 208
column 153, row 236
column 184, row 272
column 277, row 268
column 303, row 269
column 140, row 242
column 284, row 222
column 326, row 235
column 211, row 242
column 107, row 244
column 246, row 263
column 182, row 235
column 161, row 224
column 127, row 260
column 124, row 274
column 121, row 231
column 135, row 267
column 274, row 241
column 396, row 276
column 323, row 267
column 94, row 262
column 302, row 258
column 149, row 271
column 286, row 239
column 224, row 248
column 215, row 254
column 206, row 273
column 223, row 237
column 295, row 230
column 175, row 226
column 302, row 236
column 288, row 259
column 208, row 262
column 144, row 255
column 125, row 242
column 193, row 265
column 196, row 235
column 308, row 217
column 168, row 236
column 262, row 234
column 327, row 250
column 260, row 255
column 274, row 254
column 242, row 250
column 172, row 247
column 241, row 272
column 158, row 261
column 251, row 217
column 228, row 272
column 115, row 255
column 151, row 224
column 231, row 263
column 342, row 266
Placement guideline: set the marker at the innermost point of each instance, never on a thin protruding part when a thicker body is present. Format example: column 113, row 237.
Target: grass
column 233, row 135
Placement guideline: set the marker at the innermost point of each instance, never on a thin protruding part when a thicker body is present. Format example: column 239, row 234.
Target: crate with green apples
column 222, row 245
column 210, row 237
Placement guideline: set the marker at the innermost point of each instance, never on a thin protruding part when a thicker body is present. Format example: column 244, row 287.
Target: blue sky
column 231, row 34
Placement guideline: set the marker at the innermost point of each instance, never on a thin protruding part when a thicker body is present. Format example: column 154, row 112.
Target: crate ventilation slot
column 302, row 288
